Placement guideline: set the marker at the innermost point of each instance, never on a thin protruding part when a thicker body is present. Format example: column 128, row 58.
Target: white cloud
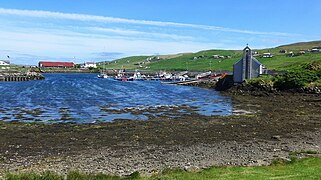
column 141, row 33
column 67, row 44
column 104, row 19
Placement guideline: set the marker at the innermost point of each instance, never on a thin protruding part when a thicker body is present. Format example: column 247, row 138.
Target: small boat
column 210, row 75
column 203, row 75
column 217, row 76
column 122, row 77
column 138, row 77
column 104, row 76
column 103, row 73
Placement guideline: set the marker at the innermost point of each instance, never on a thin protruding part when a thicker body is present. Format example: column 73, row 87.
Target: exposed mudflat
column 264, row 128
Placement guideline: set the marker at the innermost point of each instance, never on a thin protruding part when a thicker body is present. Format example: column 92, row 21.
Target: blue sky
column 83, row 30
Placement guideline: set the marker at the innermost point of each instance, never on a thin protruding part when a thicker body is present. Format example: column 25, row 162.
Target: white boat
column 203, row 75
column 121, row 76
column 102, row 75
column 138, row 76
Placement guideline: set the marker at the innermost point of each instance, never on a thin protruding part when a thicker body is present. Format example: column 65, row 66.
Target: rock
column 191, row 168
column 276, row 137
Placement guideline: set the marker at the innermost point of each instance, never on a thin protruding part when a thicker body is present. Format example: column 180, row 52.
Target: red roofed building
column 43, row 64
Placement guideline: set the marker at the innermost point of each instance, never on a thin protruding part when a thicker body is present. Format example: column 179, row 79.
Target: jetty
column 20, row 76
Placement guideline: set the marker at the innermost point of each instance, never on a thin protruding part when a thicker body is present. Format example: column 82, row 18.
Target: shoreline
column 283, row 124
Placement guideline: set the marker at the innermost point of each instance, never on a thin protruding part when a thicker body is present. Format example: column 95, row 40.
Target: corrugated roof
column 56, row 64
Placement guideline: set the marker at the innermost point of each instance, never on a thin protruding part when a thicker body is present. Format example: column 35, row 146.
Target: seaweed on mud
column 19, row 116
column 63, row 110
column 5, row 118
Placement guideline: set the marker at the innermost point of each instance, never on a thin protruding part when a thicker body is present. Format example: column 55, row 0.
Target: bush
column 314, row 66
column 296, row 79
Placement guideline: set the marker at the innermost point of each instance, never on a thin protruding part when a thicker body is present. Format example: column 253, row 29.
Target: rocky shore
column 278, row 125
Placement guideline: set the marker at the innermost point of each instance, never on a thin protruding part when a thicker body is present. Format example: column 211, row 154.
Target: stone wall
column 20, row 76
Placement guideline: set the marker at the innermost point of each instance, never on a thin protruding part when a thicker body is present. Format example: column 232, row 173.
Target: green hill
column 207, row 60
column 302, row 45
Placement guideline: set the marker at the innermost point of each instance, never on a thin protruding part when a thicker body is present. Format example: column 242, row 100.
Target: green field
column 296, row 169
column 204, row 60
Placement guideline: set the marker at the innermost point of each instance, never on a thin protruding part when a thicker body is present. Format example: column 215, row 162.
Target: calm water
column 84, row 98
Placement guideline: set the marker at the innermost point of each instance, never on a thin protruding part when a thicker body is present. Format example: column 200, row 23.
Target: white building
column 246, row 68
column 267, row 55
column 4, row 63
column 89, row 65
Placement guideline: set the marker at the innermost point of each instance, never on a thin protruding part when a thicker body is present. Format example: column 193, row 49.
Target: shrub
column 314, row 66
column 295, row 79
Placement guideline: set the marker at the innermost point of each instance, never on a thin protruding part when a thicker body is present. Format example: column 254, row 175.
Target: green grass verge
column 309, row 168
column 301, row 169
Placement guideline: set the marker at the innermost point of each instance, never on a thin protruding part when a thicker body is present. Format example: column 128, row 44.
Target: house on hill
column 4, row 63
column 246, row 68
column 283, row 51
column 88, row 65
column 44, row 64
column 315, row 50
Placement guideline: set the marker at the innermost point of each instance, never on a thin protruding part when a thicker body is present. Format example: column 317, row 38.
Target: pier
column 20, row 76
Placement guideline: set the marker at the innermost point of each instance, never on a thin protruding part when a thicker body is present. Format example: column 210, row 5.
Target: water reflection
column 83, row 98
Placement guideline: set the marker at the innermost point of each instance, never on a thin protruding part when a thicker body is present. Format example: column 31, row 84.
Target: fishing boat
column 203, row 75
column 179, row 77
column 210, row 75
column 216, row 76
column 121, row 76
column 138, row 76
column 103, row 73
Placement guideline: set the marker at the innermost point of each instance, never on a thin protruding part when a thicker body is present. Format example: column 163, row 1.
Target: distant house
column 267, row 55
column 315, row 50
column 246, row 68
column 88, row 65
column 216, row 56
column 153, row 58
column 44, row 64
column 291, row 54
column 4, row 63
column 255, row 52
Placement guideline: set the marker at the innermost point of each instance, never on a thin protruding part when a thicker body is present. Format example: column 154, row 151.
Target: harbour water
column 83, row 98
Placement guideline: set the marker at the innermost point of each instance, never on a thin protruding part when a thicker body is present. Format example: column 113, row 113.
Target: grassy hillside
column 124, row 63
column 201, row 61
column 204, row 61
column 302, row 45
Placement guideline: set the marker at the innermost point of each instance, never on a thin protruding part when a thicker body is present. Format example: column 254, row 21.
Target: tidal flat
column 280, row 125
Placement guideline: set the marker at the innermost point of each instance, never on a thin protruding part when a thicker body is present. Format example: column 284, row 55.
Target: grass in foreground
column 309, row 168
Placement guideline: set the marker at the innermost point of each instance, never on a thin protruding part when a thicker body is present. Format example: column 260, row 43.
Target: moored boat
column 104, row 76
column 121, row 76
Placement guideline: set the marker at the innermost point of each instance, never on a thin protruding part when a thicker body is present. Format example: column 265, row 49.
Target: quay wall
column 19, row 76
